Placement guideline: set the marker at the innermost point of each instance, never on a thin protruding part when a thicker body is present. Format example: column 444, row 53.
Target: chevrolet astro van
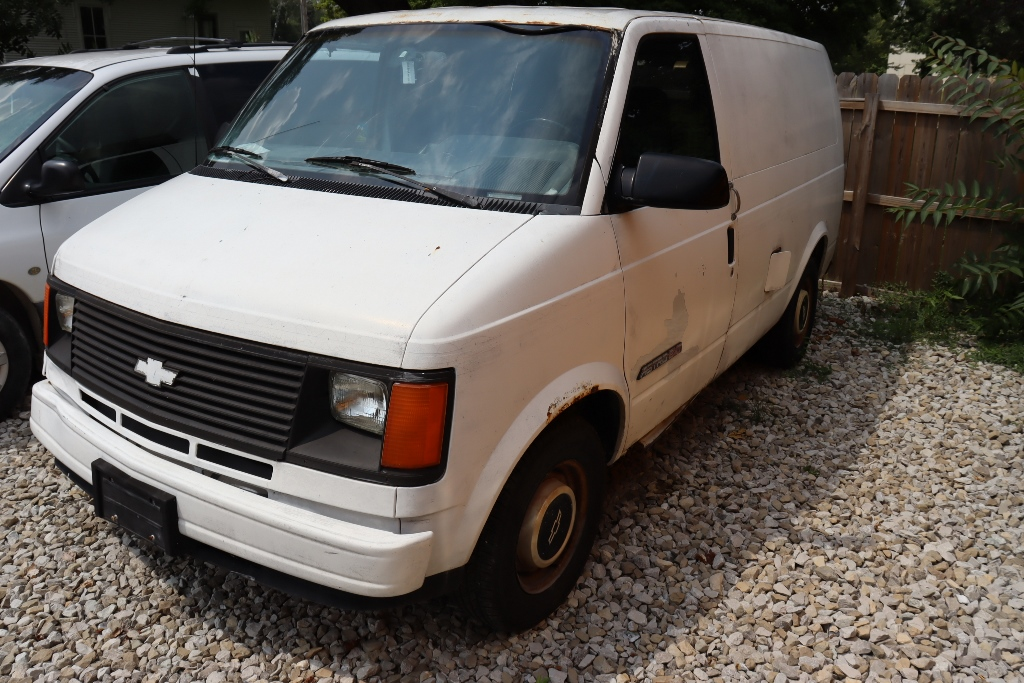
column 444, row 268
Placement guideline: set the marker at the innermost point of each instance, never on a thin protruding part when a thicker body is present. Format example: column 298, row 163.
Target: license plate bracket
column 137, row 507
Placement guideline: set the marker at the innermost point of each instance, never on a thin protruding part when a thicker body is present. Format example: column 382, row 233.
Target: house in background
column 112, row 23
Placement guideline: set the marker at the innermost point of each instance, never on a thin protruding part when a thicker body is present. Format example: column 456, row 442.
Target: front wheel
column 15, row 363
column 541, row 530
column 785, row 344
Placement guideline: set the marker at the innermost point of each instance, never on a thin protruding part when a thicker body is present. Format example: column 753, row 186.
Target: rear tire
column 785, row 344
column 15, row 364
column 541, row 530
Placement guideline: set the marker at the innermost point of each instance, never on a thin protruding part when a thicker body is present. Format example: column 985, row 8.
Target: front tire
column 541, row 529
column 786, row 344
column 15, row 363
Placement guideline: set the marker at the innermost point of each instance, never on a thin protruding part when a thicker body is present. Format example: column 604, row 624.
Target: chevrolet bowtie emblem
column 155, row 372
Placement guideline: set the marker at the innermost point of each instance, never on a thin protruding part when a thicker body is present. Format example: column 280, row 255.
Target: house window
column 94, row 31
column 206, row 25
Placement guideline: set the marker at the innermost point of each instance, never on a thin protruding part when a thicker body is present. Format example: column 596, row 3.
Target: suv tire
column 15, row 364
column 541, row 530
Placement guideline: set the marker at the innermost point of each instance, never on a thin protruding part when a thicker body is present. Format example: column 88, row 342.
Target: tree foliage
column 22, row 20
column 996, row 26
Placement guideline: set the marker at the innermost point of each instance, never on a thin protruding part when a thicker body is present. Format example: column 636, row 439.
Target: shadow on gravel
column 744, row 473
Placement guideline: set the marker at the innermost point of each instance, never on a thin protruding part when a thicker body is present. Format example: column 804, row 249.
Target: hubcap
column 803, row 314
column 551, row 528
column 545, row 531
column 4, row 366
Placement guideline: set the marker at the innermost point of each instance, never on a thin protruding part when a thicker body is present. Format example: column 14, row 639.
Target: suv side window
column 228, row 87
column 668, row 105
column 140, row 130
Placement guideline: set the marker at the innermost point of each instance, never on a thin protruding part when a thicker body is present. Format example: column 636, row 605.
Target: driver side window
column 668, row 105
column 141, row 130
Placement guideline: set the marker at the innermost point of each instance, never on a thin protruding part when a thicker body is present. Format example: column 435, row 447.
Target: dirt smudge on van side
column 675, row 328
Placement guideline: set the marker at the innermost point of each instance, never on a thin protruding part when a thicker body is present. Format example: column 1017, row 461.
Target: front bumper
column 336, row 554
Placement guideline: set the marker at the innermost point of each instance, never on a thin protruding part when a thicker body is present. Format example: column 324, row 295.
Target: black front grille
column 231, row 392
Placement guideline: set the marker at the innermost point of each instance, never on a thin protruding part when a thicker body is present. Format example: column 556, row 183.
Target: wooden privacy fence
column 898, row 130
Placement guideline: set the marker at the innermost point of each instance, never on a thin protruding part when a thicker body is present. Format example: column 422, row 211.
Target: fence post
column 860, row 194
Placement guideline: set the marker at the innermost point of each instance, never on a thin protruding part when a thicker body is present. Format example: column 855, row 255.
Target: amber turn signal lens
column 46, row 315
column 414, row 435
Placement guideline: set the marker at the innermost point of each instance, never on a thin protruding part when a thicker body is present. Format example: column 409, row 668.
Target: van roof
column 598, row 17
column 94, row 60
column 609, row 18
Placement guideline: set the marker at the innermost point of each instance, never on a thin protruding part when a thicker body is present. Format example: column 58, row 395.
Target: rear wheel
column 541, row 530
column 15, row 363
column 785, row 344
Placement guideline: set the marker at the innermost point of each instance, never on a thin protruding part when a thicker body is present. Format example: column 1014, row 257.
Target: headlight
column 65, row 311
column 359, row 402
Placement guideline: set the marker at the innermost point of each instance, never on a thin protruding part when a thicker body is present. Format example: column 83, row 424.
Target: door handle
column 738, row 202
column 730, row 235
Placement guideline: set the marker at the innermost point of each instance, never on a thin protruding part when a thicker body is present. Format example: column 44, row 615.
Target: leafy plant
column 1003, row 269
column 968, row 71
column 990, row 89
column 905, row 315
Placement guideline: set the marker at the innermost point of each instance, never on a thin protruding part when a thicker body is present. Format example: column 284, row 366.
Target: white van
column 448, row 266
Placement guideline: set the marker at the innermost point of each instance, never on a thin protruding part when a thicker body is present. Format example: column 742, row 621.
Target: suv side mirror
column 56, row 177
column 671, row 181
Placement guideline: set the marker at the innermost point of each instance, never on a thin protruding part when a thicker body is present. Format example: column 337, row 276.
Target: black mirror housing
column 671, row 181
column 58, row 176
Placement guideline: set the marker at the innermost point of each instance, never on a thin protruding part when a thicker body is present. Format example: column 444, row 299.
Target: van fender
column 557, row 397
column 784, row 293
column 819, row 232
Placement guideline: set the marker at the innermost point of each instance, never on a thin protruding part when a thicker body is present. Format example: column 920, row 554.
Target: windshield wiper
column 398, row 173
column 244, row 156
column 237, row 150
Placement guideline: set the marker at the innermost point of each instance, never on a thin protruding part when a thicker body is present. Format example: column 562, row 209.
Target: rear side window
column 141, row 130
column 668, row 105
column 228, row 87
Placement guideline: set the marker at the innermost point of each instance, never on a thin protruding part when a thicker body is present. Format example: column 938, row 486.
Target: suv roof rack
column 191, row 44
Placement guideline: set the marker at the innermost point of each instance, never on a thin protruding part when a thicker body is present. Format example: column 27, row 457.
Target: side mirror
column 671, row 181
column 56, row 177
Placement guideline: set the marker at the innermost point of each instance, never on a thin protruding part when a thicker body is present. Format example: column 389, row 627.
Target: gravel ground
column 858, row 518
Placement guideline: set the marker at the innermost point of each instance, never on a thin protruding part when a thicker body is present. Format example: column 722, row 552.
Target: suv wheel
column 541, row 530
column 15, row 363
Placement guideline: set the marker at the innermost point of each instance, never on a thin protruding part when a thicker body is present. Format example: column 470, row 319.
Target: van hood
column 343, row 276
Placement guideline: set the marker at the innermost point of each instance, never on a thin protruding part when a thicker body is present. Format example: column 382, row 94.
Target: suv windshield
column 29, row 95
column 483, row 110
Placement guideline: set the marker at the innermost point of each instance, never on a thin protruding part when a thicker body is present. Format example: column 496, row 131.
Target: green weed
column 809, row 368
column 760, row 412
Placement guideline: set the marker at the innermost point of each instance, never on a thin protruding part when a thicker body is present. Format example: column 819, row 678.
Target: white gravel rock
column 857, row 518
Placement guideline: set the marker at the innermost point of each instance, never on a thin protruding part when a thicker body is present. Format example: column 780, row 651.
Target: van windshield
column 479, row 109
column 29, row 95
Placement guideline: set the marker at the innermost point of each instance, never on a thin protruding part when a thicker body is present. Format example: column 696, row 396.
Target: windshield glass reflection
column 475, row 108
column 29, row 95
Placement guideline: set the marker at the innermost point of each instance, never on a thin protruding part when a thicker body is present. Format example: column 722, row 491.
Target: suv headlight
column 359, row 402
column 65, row 311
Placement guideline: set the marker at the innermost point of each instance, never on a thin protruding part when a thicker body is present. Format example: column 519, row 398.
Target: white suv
column 82, row 133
